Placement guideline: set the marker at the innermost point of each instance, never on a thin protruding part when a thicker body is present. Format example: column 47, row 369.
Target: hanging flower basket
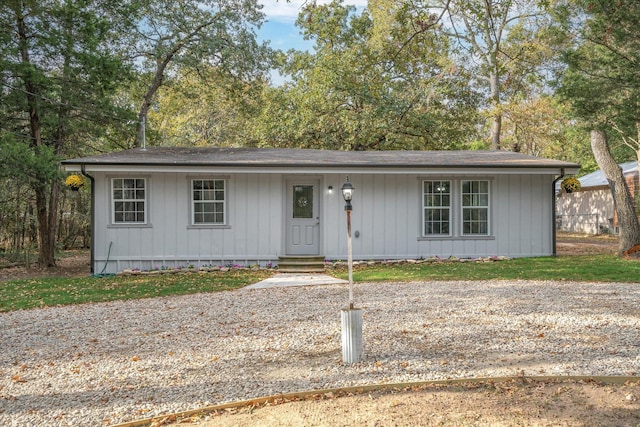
column 74, row 182
column 570, row 184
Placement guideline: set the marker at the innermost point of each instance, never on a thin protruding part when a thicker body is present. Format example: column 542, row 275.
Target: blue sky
column 280, row 26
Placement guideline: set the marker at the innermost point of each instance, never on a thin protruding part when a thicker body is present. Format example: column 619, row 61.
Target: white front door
column 303, row 217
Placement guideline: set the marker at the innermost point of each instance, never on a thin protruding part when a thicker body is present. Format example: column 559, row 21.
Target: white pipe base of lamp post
column 352, row 349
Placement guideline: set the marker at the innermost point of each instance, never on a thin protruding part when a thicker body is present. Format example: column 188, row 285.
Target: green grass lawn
column 597, row 268
column 31, row 293
column 23, row 294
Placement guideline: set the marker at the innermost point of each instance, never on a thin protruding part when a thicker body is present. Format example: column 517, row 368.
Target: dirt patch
column 580, row 244
column 522, row 402
column 71, row 264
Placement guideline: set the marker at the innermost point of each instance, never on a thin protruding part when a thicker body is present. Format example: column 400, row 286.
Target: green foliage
column 170, row 38
column 504, row 45
column 602, row 76
column 31, row 165
column 221, row 118
column 362, row 92
column 58, row 72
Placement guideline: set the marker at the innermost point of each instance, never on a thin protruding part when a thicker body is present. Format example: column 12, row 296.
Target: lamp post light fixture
column 352, row 348
column 347, row 194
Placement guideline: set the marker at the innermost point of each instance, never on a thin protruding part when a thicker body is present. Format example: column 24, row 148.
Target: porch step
column 301, row 264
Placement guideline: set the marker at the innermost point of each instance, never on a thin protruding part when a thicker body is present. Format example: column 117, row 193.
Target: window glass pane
column 208, row 197
column 436, row 204
column 466, row 228
column 303, row 201
column 129, row 198
column 475, row 212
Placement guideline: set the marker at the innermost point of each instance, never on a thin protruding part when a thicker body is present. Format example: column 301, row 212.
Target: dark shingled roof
column 286, row 157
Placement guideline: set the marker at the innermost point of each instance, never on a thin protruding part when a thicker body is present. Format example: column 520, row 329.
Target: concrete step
column 301, row 264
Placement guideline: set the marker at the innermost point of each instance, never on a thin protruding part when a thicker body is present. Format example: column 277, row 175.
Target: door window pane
column 303, row 201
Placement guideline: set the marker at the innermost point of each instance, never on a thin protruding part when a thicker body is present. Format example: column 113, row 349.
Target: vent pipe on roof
column 144, row 133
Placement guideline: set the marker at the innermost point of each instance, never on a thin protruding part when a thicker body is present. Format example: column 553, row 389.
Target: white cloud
column 281, row 10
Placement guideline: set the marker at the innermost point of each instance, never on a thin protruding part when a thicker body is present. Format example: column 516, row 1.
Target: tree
column 602, row 84
column 361, row 92
column 541, row 126
column 624, row 206
column 502, row 42
column 56, row 80
column 193, row 34
column 222, row 117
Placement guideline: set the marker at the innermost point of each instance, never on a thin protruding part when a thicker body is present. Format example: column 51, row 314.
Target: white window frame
column 440, row 207
column 195, row 202
column 477, row 203
column 135, row 199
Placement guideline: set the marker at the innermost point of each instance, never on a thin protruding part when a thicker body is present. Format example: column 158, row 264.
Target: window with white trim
column 208, row 198
column 129, row 197
column 475, row 208
column 436, row 204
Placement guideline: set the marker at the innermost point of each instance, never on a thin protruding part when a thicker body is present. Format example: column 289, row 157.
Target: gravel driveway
column 101, row 364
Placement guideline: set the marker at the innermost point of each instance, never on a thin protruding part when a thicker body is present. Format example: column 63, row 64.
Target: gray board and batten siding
column 256, row 188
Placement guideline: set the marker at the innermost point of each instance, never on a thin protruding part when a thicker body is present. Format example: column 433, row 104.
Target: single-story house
column 591, row 210
column 165, row 207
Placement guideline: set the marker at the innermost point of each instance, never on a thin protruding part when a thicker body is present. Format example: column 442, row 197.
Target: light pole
column 347, row 194
column 352, row 348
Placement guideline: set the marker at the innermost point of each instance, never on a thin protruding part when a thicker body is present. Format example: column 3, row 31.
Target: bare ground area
column 579, row 244
column 520, row 401
column 71, row 264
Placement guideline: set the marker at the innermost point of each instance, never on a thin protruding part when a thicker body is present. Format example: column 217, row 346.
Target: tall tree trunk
column 46, row 230
column 622, row 201
column 47, row 242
